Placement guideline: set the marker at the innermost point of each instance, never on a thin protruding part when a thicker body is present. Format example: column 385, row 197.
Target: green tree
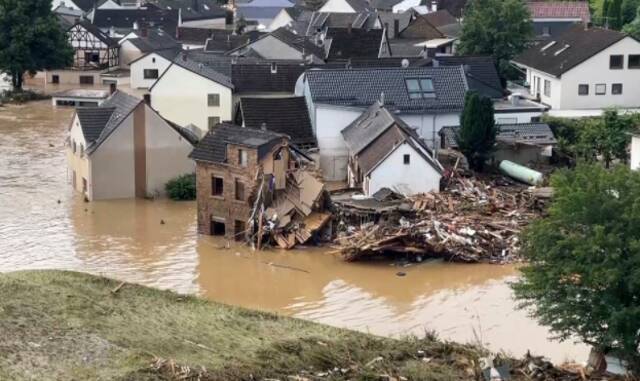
column 182, row 187
column 629, row 9
column 583, row 273
column 633, row 28
column 31, row 39
column 603, row 12
column 500, row 28
column 477, row 135
column 614, row 15
column 606, row 138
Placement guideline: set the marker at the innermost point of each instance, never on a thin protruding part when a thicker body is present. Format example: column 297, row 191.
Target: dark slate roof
column 388, row 18
column 482, row 74
column 195, row 35
column 385, row 5
column 155, row 40
column 560, row 54
column 455, row 7
column 368, row 126
column 360, row 5
column 186, row 133
column 85, row 5
column 150, row 17
column 258, row 77
column 100, row 35
column 347, row 43
column 213, row 146
column 288, row 116
column 192, row 10
column 362, row 87
column 185, row 61
column 298, row 42
column 93, row 120
column 403, row 47
column 223, row 42
column 440, row 18
column 528, row 133
column 358, row 20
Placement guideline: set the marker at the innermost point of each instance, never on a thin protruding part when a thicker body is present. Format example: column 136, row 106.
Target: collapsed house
column 254, row 185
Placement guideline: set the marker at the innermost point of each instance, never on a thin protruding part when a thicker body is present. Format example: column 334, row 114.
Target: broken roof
column 560, row 10
column 213, row 147
column 288, row 116
column 560, row 54
column 362, row 87
column 527, row 133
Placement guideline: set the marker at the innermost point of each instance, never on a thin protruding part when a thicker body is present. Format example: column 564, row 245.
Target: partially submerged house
column 124, row 149
column 425, row 98
column 523, row 143
column 384, row 152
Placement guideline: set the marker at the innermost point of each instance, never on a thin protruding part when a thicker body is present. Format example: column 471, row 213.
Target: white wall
column 166, row 153
column 138, row 67
column 555, row 94
column 281, row 19
column 416, row 177
column 181, row 96
column 520, row 117
column 424, row 125
column 76, row 161
column 112, row 165
column 218, row 23
column 128, row 53
column 635, row 152
column 334, row 156
column 337, row 6
column 596, row 70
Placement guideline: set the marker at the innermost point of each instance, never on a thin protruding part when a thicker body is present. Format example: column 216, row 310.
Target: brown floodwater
column 44, row 225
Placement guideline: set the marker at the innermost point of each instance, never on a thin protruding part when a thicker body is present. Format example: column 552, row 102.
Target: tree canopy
column 633, row 28
column 477, row 135
column 31, row 39
column 583, row 273
column 500, row 28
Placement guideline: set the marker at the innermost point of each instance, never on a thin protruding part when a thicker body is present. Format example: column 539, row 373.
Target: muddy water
column 44, row 225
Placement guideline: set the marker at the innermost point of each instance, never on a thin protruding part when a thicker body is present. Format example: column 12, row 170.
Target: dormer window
column 419, row 88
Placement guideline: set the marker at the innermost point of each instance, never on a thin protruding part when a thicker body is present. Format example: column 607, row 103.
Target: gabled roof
column 348, row 43
column 560, row 10
column 259, row 76
column 362, row 87
column 356, row 20
column 360, row 5
column 102, row 120
column 527, row 133
column 100, row 35
column 481, row 71
column 168, row 54
column 185, row 61
column 222, row 41
column 85, row 5
column 150, row 17
column 558, row 55
column 266, row 4
column 192, row 10
column 376, row 133
column 388, row 18
column 153, row 41
column 440, row 18
column 213, row 147
column 300, row 43
column 455, row 7
column 384, row 5
column 432, row 25
column 288, row 116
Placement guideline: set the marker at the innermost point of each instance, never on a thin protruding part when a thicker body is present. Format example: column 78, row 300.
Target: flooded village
column 359, row 164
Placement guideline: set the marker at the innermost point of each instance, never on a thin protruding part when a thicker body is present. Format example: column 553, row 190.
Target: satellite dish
column 405, row 63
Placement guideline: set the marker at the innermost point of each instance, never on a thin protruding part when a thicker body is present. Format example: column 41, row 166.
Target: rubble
column 471, row 221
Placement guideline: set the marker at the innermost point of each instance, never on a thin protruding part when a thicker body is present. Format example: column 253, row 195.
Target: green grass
column 70, row 326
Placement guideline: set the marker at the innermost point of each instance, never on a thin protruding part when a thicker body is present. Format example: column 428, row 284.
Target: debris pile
column 472, row 221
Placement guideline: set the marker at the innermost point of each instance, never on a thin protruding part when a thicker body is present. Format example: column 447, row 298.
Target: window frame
column 546, row 88
column 217, row 190
column 603, row 92
column 239, row 190
column 613, row 86
column 617, row 56
column 145, row 71
column 636, row 65
column 213, row 100
column 243, row 158
column 406, row 159
column 419, row 91
column 211, row 125
column 580, row 85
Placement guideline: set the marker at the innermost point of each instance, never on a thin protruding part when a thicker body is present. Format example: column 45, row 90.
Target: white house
column 141, row 42
column 425, row 98
column 147, row 69
column 384, row 152
column 584, row 69
column 190, row 92
column 124, row 149
column 345, row 6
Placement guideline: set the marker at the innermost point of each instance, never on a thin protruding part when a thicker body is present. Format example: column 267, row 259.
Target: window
column 150, row 73
column 634, row 61
column 81, row 150
column 217, row 186
column 243, row 158
column 583, row 89
column 601, row 89
column 274, row 68
column 547, row 88
column 153, row 59
column 239, row 190
column 213, row 99
column 55, row 79
column 420, row 88
column 616, row 88
column 86, row 80
column 73, row 146
column 213, row 121
column 406, row 159
column 218, row 226
column 239, row 230
column 74, row 180
column 91, row 57
column 84, row 185
column 545, row 31
column 616, row 61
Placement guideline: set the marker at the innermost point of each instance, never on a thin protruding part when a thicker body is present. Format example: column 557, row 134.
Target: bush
column 182, row 188
column 22, row 96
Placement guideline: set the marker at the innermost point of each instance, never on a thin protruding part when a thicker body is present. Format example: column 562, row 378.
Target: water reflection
column 43, row 224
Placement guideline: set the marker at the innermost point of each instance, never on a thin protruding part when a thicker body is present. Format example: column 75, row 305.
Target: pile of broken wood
column 471, row 221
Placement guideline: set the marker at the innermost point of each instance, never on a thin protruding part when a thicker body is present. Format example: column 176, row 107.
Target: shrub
column 182, row 187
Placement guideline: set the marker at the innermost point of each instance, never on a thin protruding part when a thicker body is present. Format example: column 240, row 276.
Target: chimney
column 396, row 28
column 382, row 98
column 147, row 99
column 113, row 87
column 136, row 26
column 263, row 126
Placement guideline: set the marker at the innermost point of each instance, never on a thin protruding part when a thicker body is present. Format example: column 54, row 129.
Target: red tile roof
column 560, row 9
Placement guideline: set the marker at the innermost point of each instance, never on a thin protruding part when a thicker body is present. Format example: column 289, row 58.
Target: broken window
column 239, row 190
column 243, row 158
column 217, row 186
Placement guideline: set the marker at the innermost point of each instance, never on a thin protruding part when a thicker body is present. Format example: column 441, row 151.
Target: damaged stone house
column 251, row 183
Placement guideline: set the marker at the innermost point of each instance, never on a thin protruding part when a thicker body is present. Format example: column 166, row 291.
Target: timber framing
column 93, row 49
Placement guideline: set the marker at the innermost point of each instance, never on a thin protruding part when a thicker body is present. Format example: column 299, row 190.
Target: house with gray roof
column 425, row 98
column 384, row 152
column 282, row 44
column 261, row 11
column 124, row 149
column 144, row 41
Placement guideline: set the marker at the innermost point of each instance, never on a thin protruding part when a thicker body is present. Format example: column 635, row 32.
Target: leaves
column 583, row 276
column 478, row 130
